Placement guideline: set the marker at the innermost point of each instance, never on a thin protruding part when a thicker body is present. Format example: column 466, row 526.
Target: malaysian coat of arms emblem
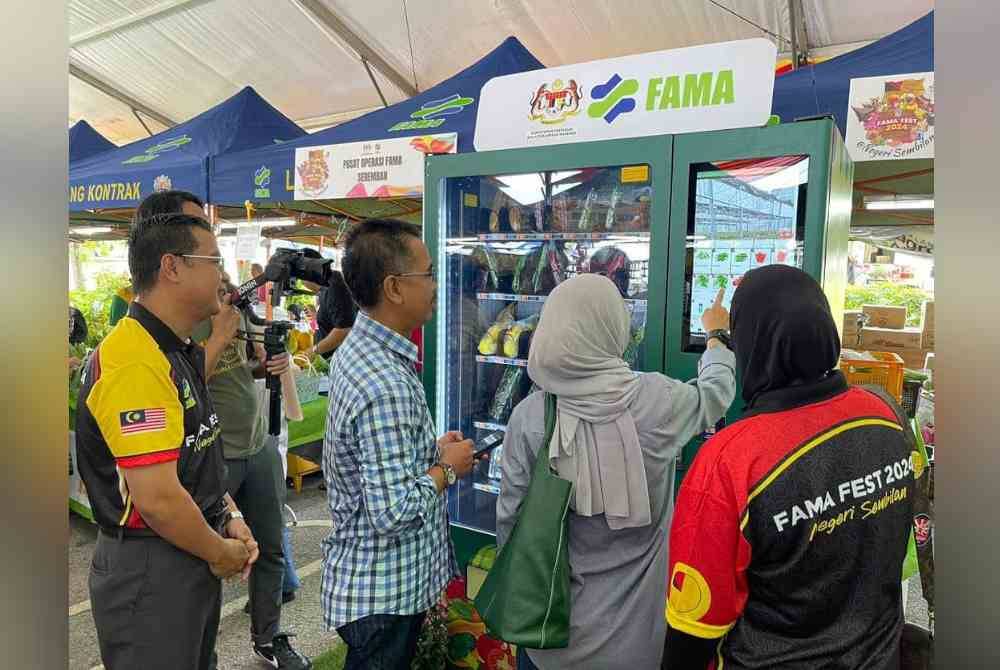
column 557, row 103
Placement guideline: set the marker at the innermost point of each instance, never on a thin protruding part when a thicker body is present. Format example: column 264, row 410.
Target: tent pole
column 371, row 76
column 793, row 21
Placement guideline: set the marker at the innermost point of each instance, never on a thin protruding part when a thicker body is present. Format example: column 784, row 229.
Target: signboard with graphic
column 891, row 118
column 709, row 87
column 379, row 168
column 247, row 241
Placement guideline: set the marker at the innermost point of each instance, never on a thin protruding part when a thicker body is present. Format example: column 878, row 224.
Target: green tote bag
column 525, row 598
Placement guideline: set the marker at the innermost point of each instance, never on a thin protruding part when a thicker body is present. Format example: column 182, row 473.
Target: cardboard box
column 851, row 321
column 927, row 324
column 885, row 316
column 890, row 339
column 927, row 315
column 915, row 359
column 927, row 339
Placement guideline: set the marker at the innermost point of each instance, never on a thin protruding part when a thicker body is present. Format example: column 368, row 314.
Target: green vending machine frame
column 815, row 214
column 822, row 214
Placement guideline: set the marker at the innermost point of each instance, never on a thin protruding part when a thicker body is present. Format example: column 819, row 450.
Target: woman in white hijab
column 618, row 435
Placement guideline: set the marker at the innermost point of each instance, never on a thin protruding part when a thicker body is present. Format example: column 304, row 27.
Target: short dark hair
column 373, row 250
column 165, row 202
column 154, row 236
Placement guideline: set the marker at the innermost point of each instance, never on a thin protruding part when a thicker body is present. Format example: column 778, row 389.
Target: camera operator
column 254, row 472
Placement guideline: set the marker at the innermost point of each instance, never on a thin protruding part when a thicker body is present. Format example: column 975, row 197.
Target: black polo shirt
column 143, row 400
column 336, row 307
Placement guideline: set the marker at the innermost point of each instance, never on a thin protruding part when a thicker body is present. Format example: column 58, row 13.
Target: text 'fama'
column 853, row 489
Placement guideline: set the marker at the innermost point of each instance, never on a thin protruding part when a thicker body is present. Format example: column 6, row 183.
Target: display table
column 303, row 433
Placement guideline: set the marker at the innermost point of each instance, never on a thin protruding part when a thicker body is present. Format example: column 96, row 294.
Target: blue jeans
column 381, row 641
column 523, row 662
column 291, row 581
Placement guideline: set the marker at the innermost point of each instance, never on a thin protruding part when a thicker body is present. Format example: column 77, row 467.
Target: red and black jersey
column 790, row 530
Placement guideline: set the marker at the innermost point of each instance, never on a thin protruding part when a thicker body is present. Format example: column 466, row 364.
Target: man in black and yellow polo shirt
column 151, row 459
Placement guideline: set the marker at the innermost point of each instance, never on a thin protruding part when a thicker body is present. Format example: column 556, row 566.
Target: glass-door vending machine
column 669, row 219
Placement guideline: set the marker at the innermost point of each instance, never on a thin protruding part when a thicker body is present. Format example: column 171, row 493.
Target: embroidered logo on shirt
column 189, row 401
column 150, row 420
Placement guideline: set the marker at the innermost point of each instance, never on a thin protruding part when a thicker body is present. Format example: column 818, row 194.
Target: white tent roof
column 175, row 58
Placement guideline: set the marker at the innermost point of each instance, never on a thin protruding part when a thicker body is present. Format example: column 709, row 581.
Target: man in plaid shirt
column 389, row 556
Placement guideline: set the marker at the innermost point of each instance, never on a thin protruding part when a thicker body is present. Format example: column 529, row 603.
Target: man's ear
column 390, row 290
column 169, row 268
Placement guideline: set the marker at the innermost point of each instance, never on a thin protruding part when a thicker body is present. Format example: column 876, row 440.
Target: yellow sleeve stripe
column 134, row 387
column 706, row 631
column 815, row 442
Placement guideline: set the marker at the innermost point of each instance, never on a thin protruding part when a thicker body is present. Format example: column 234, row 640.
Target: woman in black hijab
column 790, row 528
column 783, row 335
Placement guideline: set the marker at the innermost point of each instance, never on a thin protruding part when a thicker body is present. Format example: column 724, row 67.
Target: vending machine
column 670, row 219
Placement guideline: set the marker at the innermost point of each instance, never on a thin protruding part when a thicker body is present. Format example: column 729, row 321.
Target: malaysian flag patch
column 143, row 421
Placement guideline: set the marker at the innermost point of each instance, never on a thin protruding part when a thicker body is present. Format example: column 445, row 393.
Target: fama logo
column 154, row 151
column 427, row 115
column 261, row 181
column 612, row 98
column 704, row 89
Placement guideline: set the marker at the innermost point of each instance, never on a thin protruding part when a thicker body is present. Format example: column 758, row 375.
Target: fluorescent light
column 91, row 230
column 900, row 202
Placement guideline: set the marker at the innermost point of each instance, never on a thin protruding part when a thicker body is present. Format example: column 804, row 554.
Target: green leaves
column 885, row 293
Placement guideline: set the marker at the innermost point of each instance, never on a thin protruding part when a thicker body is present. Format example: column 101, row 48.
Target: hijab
column 576, row 354
column 782, row 329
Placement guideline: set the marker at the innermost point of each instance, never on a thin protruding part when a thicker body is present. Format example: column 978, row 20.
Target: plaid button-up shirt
column 389, row 551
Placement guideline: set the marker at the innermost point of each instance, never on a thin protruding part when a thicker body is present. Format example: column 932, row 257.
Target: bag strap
column 904, row 421
column 542, row 457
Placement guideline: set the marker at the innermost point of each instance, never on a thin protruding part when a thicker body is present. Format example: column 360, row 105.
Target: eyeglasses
column 429, row 274
column 218, row 261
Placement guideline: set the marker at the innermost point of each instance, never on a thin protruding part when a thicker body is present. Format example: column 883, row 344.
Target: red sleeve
column 708, row 558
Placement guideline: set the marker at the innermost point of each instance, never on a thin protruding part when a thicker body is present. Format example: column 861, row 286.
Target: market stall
column 105, row 188
column 370, row 167
column 106, row 184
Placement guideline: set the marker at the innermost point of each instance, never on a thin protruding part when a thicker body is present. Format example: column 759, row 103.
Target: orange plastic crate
column 886, row 372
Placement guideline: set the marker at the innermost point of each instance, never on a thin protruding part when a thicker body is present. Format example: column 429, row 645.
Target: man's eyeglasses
column 429, row 274
column 218, row 261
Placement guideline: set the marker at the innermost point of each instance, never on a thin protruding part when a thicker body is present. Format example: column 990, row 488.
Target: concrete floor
column 301, row 616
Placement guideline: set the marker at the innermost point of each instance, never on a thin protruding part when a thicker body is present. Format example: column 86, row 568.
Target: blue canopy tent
column 179, row 157
column 448, row 107
column 84, row 141
column 824, row 88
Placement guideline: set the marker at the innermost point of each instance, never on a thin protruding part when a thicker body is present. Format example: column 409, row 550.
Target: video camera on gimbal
column 285, row 266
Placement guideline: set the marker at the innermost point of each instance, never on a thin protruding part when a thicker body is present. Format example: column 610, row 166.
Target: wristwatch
column 721, row 335
column 230, row 515
column 449, row 473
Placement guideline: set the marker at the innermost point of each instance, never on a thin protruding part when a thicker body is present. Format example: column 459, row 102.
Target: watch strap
column 720, row 335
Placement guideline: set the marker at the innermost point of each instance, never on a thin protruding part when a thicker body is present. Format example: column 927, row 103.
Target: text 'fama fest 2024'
column 853, row 489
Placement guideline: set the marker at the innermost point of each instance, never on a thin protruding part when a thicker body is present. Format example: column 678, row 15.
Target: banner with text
column 376, row 169
column 891, row 118
column 708, row 87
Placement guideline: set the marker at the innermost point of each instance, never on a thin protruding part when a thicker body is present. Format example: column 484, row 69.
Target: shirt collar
column 791, row 397
column 385, row 336
column 161, row 332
